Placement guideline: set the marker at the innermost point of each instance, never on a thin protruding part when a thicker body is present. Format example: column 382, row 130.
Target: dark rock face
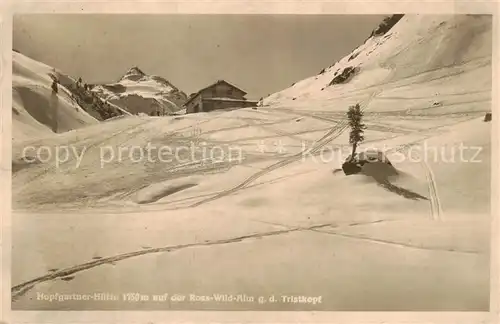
column 353, row 56
column 386, row 24
column 487, row 117
column 346, row 75
column 116, row 87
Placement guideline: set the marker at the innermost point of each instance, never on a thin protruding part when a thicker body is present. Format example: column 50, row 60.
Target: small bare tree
column 355, row 116
column 54, row 102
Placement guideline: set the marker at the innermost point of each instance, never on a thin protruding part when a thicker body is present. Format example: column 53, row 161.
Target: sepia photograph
column 251, row 162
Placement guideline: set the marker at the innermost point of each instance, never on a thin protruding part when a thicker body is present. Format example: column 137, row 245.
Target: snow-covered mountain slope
column 34, row 107
column 433, row 61
column 262, row 187
column 425, row 76
column 140, row 93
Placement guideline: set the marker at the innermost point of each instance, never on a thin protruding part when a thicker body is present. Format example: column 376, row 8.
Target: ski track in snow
column 436, row 210
column 335, row 132
column 19, row 290
column 131, row 132
column 135, row 128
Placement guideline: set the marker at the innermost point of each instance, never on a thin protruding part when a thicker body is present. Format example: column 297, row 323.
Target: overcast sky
column 261, row 54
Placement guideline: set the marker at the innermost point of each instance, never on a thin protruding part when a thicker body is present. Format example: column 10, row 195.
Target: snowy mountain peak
column 163, row 82
column 134, row 73
column 137, row 75
column 138, row 92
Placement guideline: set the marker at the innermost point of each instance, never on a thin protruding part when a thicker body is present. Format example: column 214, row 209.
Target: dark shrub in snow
column 349, row 167
column 356, row 164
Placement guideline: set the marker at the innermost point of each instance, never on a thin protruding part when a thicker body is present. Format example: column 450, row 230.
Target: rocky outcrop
column 347, row 74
